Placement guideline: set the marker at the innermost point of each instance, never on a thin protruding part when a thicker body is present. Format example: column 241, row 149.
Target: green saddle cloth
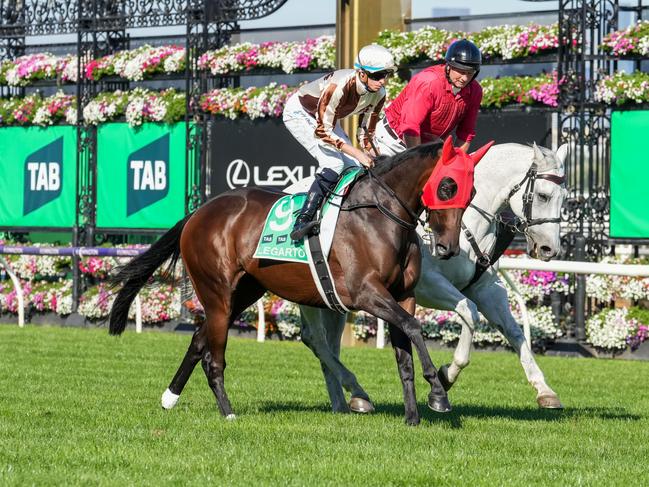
column 275, row 242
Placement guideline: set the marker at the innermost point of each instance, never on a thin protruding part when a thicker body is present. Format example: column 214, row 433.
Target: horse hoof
column 443, row 377
column 413, row 421
column 230, row 417
column 169, row 399
column 360, row 405
column 549, row 401
column 439, row 404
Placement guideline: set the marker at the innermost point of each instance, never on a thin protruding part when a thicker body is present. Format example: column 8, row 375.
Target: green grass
column 80, row 407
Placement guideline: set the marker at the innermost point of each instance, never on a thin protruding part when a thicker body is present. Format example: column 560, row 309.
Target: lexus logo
column 238, row 174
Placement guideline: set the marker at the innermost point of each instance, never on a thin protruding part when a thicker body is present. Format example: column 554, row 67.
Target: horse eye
column 447, row 189
column 543, row 198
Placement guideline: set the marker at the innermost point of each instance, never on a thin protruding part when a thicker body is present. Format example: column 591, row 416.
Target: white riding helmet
column 375, row 58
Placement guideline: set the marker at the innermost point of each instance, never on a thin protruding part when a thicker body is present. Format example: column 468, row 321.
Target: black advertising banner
column 262, row 152
column 258, row 152
column 519, row 127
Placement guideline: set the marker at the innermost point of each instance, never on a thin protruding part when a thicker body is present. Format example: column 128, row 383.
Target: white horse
column 530, row 181
column 527, row 179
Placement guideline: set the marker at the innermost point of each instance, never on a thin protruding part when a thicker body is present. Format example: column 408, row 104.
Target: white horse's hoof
column 442, row 374
column 169, row 399
column 230, row 417
column 549, row 401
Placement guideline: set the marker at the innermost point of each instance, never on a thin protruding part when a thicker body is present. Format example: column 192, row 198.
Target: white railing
column 505, row 263
column 20, row 297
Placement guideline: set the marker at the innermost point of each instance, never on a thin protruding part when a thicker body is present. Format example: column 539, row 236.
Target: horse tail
column 137, row 272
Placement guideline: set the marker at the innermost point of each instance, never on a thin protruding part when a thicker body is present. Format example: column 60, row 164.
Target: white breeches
column 387, row 144
column 302, row 126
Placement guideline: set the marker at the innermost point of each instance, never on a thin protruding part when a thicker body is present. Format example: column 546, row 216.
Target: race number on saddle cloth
column 275, row 243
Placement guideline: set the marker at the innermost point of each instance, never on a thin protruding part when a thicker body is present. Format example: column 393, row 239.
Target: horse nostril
column 545, row 250
column 441, row 249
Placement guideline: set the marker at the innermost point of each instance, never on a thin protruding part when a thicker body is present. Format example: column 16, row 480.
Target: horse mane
column 384, row 164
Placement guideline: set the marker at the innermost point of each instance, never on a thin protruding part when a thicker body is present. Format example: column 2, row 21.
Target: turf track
column 80, row 407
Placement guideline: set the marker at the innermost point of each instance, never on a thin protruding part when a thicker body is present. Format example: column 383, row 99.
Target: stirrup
column 312, row 227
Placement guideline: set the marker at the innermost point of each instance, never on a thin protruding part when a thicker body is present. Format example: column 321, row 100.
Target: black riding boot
column 304, row 223
column 324, row 182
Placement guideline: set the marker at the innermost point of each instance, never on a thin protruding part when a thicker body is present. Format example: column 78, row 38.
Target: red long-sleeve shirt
column 428, row 108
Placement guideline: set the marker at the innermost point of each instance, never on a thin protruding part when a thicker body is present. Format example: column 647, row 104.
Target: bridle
column 518, row 224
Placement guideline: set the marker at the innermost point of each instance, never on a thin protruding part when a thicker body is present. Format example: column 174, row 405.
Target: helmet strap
column 364, row 83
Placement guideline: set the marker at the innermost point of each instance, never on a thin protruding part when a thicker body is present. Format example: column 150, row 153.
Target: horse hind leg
column 314, row 337
column 333, row 324
column 192, row 357
column 217, row 320
column 247, row 293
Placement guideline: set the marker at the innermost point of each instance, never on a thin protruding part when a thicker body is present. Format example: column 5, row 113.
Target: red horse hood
column 450, row 185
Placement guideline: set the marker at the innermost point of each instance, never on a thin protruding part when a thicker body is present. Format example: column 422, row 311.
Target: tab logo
column 43, row 176
column 147, row 175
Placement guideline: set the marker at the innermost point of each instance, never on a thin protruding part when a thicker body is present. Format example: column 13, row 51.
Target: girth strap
column 322, row 275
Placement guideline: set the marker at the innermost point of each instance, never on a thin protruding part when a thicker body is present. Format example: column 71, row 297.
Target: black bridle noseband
column 519, row 224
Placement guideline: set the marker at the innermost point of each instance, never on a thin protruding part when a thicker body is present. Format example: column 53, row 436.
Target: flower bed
column 35, row 110
column 47, row 287
column 605, row 288
column 622, row 88
column 138, row 106
column 632, row 41
column 505, row 42
column 27, row 69
column 233, row 103
column 138, row 64
column 616, row 329
column 288, row 57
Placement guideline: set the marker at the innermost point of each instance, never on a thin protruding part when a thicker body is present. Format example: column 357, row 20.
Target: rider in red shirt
column 437, row 101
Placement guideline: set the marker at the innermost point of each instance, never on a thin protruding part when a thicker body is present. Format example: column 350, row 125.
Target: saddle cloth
column 275, row 242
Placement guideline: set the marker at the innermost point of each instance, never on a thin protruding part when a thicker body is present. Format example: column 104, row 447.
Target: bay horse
column 374, row 261
column 530, row 182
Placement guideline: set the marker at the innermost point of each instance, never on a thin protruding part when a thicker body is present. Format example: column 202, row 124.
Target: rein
column 385, row 210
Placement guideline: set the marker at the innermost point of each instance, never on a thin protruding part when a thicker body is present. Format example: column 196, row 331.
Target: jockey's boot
column 304, row 223
column 324, row 182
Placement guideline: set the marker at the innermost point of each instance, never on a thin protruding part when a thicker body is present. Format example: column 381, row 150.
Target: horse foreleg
column 403, row 354
column 315, row 337
column 436, row 292
column 449, row 373
column 192, row 357
column 493, row 304
column 382, row 305
column 333, row 324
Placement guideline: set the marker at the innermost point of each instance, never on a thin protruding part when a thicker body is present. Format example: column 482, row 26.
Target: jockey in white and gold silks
column 313, row 115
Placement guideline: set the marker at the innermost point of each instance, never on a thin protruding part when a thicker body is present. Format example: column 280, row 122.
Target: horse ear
column 448, row 151
column 562, row 153
column 477, row 155
column 538, row 155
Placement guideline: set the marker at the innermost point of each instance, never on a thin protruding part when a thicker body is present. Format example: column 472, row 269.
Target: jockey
column 436, row 101
column 313, row 115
